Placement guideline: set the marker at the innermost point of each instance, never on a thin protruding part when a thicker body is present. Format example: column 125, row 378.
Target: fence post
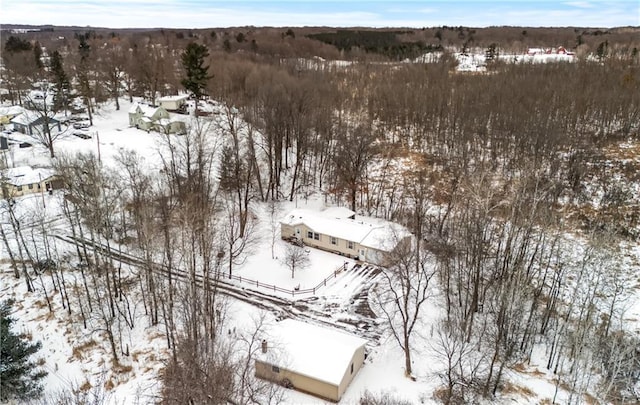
column 257, row 283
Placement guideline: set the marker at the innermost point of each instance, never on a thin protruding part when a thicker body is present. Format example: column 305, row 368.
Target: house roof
column 369, row 232
column 11, row 110
column 24, row 175
column 29, row 117
column 338, row 212
column 318, row 352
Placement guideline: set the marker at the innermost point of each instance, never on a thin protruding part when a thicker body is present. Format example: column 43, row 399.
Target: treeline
column 382, row 42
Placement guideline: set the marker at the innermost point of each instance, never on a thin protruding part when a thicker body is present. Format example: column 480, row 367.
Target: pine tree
column 37, row 55
column 61, row 83
column 19, row 377
column 196, row 72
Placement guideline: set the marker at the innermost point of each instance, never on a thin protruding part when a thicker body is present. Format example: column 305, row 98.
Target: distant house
column 173, row 103
column 33, row 123
column 150, row 118
column 19, row 181
column 312, row 359
column 338, row 230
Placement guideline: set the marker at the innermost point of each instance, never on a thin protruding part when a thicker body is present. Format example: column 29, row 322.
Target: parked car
column 81, row 134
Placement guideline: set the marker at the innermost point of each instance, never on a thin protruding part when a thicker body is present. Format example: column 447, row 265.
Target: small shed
column 173, row 103
column 316, row 360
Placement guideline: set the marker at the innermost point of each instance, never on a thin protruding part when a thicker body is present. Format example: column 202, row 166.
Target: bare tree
column 44, row 129
column 402, row 293
column 250, row 389
column 295, row 258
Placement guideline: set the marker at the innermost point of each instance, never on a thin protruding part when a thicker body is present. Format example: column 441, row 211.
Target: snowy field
column 76, row 357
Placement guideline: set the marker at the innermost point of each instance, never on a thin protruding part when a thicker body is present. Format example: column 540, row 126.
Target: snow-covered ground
column 73, row 357
column 476, row 61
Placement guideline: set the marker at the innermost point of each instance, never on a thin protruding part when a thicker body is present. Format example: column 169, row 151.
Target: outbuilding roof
column 179, row 97
column 318, row 352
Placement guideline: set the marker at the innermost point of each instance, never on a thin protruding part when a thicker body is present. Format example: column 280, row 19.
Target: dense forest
column 514, row 183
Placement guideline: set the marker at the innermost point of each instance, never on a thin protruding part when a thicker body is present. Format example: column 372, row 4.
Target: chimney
column 264, row 346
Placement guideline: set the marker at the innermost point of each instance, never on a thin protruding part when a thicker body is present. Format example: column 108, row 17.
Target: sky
column 346, row 13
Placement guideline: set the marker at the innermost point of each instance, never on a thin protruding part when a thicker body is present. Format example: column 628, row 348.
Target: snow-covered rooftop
column 174, row 98
column 318, row 352
column 369, row 232
column 146, row 110
column 24, row 175
column 11, row 110
column 29, row 117
column 338, row 212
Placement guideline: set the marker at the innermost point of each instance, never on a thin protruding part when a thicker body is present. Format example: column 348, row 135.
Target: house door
column 298, row 233
column 361, row 254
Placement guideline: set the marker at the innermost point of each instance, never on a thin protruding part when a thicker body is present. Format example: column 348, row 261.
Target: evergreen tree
column 15, row 44
column 196, row 72
column 60, row 81
column 37, row 55
column 602, row 50
column 19, row 377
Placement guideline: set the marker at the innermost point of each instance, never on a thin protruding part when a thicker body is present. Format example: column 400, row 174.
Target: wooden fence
column 274, row 288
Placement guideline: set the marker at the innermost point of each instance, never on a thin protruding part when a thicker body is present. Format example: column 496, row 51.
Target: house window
column 276, row 369
column 351, row 368
column 350, row 245
column 30, row 186
column 309, row 234
column 334, row 241
column 316, row 236
column 19, row 188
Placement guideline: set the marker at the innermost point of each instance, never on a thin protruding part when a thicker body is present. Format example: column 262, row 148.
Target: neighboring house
column 33, row 123
column 150, row 118
column 309, row 358
column 19, row 181
column 173, row 103
column 338, row 230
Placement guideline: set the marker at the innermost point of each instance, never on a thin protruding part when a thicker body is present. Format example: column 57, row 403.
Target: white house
column 158, row 119
column 317, row 360
column 338, row 230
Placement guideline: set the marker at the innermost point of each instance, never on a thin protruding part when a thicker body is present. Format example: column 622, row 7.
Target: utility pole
column 44, row 205
column 98, row 141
